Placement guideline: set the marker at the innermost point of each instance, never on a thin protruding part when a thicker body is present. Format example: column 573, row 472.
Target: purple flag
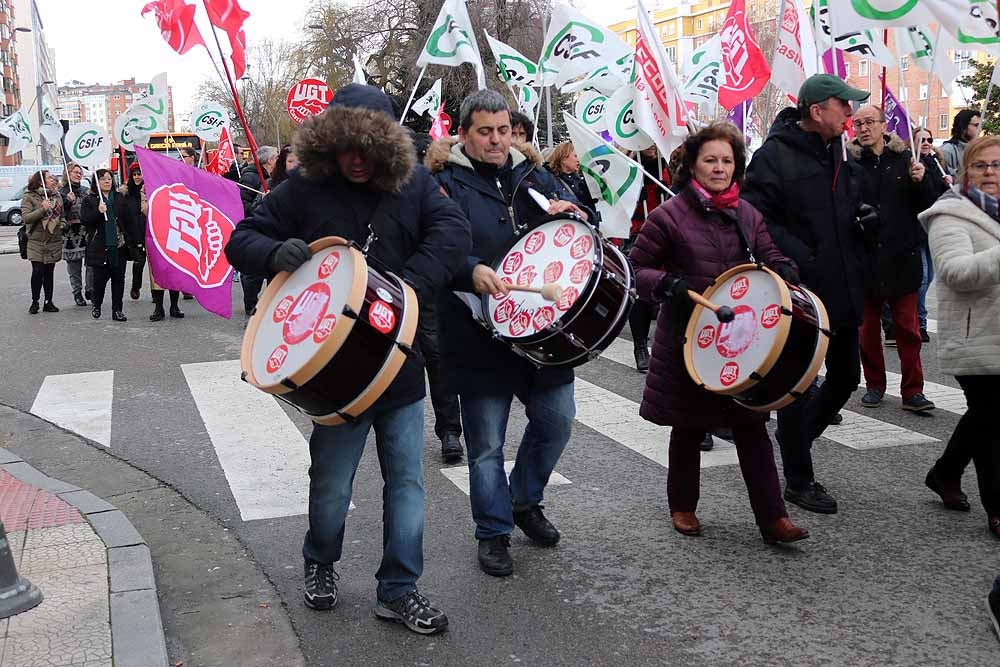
column 833, row 63
column 740, row 112
column 896, row 118
column 190, row 218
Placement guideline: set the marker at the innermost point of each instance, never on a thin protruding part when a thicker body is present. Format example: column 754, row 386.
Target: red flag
column 226, row 15
column 441, row 125
column 176, row 22
column 223, row 158
column 747, row 71
column 239, row 45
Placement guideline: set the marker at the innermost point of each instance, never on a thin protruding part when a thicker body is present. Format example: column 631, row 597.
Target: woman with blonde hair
column 565, row 166
column 963, row 228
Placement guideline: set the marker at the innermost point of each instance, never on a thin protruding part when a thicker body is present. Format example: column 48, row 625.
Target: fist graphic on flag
column 746, row 68
column 190, row 233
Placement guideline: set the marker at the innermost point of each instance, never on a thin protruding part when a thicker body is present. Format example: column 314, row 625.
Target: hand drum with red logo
column 330, row 337
column 597, row 293
column 772, row 350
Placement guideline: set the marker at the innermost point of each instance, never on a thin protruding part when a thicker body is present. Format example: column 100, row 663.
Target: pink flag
column 222, row 159
column 191, row 216
column 441, row 125
column 747, row 71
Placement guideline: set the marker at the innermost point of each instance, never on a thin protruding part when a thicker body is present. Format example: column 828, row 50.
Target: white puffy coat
column 965, row 247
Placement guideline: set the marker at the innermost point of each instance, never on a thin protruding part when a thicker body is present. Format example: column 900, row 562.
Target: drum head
column 726, row 358
column 562, row 251
column 300, row 323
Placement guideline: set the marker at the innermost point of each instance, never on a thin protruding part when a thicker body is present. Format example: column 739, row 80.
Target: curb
column 136, row 628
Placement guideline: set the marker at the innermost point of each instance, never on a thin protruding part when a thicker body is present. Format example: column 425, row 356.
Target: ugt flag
column 613, row 180
column 192, row 214
column 452, row 40
column 794, row 56
column 746, row 68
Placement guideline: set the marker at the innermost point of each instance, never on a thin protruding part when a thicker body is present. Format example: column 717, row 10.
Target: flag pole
column 902, row 86
column 413, row 94
column 236, row 103
column 930, row 74
column 885, row 40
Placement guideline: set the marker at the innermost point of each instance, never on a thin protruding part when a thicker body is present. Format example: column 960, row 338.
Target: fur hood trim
column 449, row 149
column 377, row 135
column 893, row 143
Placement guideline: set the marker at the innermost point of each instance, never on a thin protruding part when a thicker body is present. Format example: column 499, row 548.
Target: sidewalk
column 94, row 570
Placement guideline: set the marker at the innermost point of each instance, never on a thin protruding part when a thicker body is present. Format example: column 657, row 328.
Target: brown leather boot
column 784, row 531
column 686, row 523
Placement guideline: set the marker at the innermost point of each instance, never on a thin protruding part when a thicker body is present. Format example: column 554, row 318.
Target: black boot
column 79, row 300
column 451, row 448
column 33, row 308
column 158, row 313
column 494, row 556
column 119, row 316
column 176, row 312
column 50, row 307
column 641, row 356
column 96, row 312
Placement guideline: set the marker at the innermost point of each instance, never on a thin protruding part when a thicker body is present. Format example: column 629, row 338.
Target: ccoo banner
column 88, row 144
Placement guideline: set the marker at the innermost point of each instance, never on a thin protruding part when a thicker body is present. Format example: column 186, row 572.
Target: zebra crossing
column 265, row 457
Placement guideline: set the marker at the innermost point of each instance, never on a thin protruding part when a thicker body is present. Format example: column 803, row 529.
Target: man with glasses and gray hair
column 897, row 185
column 490, row 181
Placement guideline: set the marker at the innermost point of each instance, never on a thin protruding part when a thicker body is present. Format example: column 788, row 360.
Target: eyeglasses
column 927, row 140
column 981, row 167
column 858, row 124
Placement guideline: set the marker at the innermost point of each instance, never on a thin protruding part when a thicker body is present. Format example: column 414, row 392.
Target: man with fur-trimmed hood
column 491, row 182
column 897, row 185
column 358, row 178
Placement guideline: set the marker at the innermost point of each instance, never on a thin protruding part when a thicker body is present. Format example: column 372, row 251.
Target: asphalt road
column 893, row 579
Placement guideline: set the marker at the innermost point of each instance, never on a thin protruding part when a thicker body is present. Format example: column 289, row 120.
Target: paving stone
column 138, row 632
column 29, row 475
column 87, row 502
column 63, row 556
column 70, row 647
column 131, row 569
column 115, row 529
column 16, row 541
column 9, row 457
column 75, row 599
column 69, row 534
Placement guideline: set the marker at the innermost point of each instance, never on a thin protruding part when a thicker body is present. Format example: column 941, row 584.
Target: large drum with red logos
column 598, row 289
column 330, row 338
column 773, row 349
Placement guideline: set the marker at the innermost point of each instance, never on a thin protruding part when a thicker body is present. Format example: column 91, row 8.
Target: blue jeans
column 925, row 261
column 550, row 415
column 335, row 452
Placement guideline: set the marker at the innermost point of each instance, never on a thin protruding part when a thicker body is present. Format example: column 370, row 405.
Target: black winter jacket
column 894, row 266
column 251, row 179
column 93, row 220
column 809, row 198
column 422, row 235
column 471, row 360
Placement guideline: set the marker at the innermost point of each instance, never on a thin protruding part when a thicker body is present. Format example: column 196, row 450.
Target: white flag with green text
column 575, row 45
column 452, row 40
column 17, row 128
column 613, row 180
column 430, row 102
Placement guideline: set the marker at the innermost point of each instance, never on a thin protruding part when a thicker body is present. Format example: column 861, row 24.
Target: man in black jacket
column 358, row 179
column 490, row 181
column 250, row 195
column 810, row 198
column 897, row 185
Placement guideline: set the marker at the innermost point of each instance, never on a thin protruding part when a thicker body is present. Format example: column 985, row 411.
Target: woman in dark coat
column 105, row 215
column 685, row 244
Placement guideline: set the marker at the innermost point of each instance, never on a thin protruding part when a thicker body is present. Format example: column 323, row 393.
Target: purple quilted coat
column 698, row 245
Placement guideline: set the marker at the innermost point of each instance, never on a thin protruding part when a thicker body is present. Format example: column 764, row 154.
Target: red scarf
column 727, row 199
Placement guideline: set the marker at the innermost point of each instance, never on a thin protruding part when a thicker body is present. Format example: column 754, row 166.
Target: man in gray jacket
column 964, row 129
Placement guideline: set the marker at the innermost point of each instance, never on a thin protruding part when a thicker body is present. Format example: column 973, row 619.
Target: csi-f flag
column 613, row 180
column 972, row 23
column 359, row 71
column 17, row 128
column 452, row 40
column 575, row 45
column 702, row 73
column 919, row 43
column 191, row 216
column 659, row 108
column 513, row 67
column 50, row 128
column 430, row 102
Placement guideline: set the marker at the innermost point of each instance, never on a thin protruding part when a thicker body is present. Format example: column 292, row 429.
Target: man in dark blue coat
column 491, row 182
column 809, row 192
column 358, row 179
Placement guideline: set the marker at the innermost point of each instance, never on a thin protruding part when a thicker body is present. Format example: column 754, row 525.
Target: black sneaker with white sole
column 415, row 612
column 321, row 586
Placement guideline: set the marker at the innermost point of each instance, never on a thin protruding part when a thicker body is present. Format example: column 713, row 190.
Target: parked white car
column 10, row 209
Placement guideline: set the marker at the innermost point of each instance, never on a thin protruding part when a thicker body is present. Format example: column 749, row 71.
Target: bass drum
column 767, row 357
column 330, row 338
column 598, row 290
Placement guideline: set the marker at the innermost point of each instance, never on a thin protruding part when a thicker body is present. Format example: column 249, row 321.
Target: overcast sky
column 101, row 46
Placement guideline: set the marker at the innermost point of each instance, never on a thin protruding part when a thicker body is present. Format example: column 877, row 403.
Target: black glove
column 290, row 255
column 868, row 218
column 672, row 287
column 787, row 273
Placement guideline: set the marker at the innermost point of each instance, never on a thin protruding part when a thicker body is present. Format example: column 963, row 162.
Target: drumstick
column 549, row 291
column 723, row 313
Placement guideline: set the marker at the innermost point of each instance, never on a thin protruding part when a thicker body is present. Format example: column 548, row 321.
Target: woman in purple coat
column 685, row 244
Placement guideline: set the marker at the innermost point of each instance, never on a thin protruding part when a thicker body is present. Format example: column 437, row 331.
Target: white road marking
column 931, row 325
column 262, row 453
column 79, row 402
column 945, row 398
column 860, row 432
column 459, row 476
